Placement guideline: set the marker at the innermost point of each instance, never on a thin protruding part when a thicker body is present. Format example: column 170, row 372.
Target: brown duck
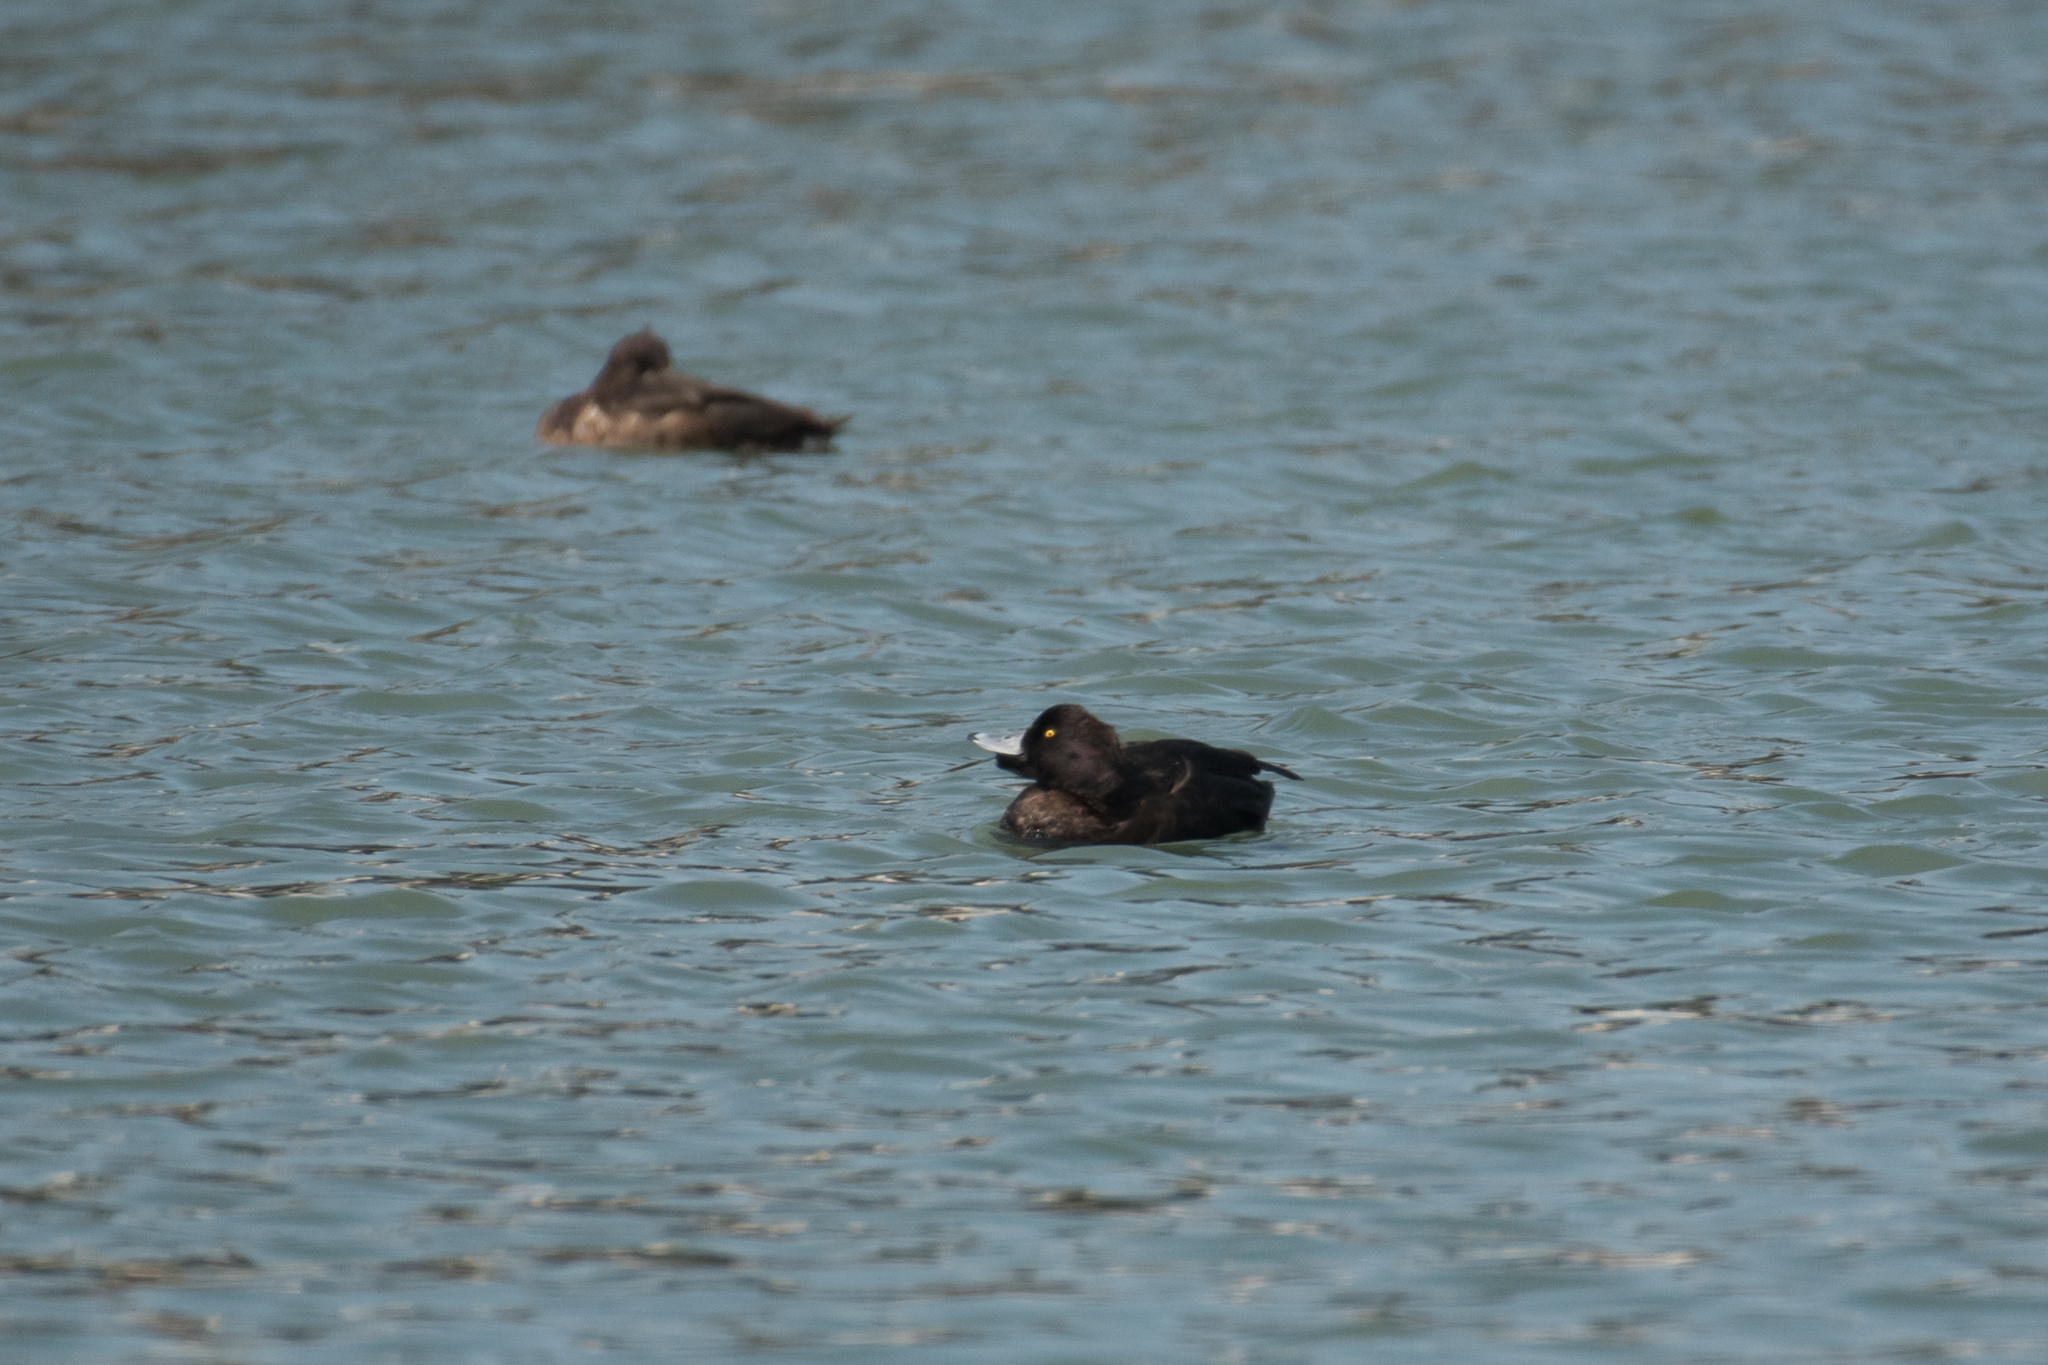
column 638, row 402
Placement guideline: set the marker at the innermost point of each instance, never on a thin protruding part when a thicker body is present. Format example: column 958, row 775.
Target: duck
column 1089, row 787
column 638, row 402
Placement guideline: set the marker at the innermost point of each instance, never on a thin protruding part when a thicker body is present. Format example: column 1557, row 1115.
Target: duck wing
column 665, row 391
column 1200, row 804
column 703, row 413
column 1164, row 754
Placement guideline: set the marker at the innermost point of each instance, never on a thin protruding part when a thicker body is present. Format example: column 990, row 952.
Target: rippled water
column 473, row 902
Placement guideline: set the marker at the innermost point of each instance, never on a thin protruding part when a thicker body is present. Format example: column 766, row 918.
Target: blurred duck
column 638, row 402
column 1092, row 788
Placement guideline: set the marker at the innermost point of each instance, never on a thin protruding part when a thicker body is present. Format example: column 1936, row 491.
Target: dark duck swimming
column 638, row 402
column 1092, row 788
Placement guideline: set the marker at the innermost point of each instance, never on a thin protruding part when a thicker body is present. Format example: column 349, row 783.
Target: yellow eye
column 1050, row 733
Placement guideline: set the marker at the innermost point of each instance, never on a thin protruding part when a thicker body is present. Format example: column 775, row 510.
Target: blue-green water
column 474, row 902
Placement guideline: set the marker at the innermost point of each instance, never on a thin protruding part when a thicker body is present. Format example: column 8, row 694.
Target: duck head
column 636, row 355
column 1066, row 749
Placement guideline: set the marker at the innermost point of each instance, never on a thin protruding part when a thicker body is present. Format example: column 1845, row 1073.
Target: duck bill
column 1010, row 746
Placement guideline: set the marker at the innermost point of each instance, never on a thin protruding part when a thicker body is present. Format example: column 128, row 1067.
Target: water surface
column 477, row 902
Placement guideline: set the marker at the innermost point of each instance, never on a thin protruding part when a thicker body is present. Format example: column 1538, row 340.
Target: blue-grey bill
column 1001, row 744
